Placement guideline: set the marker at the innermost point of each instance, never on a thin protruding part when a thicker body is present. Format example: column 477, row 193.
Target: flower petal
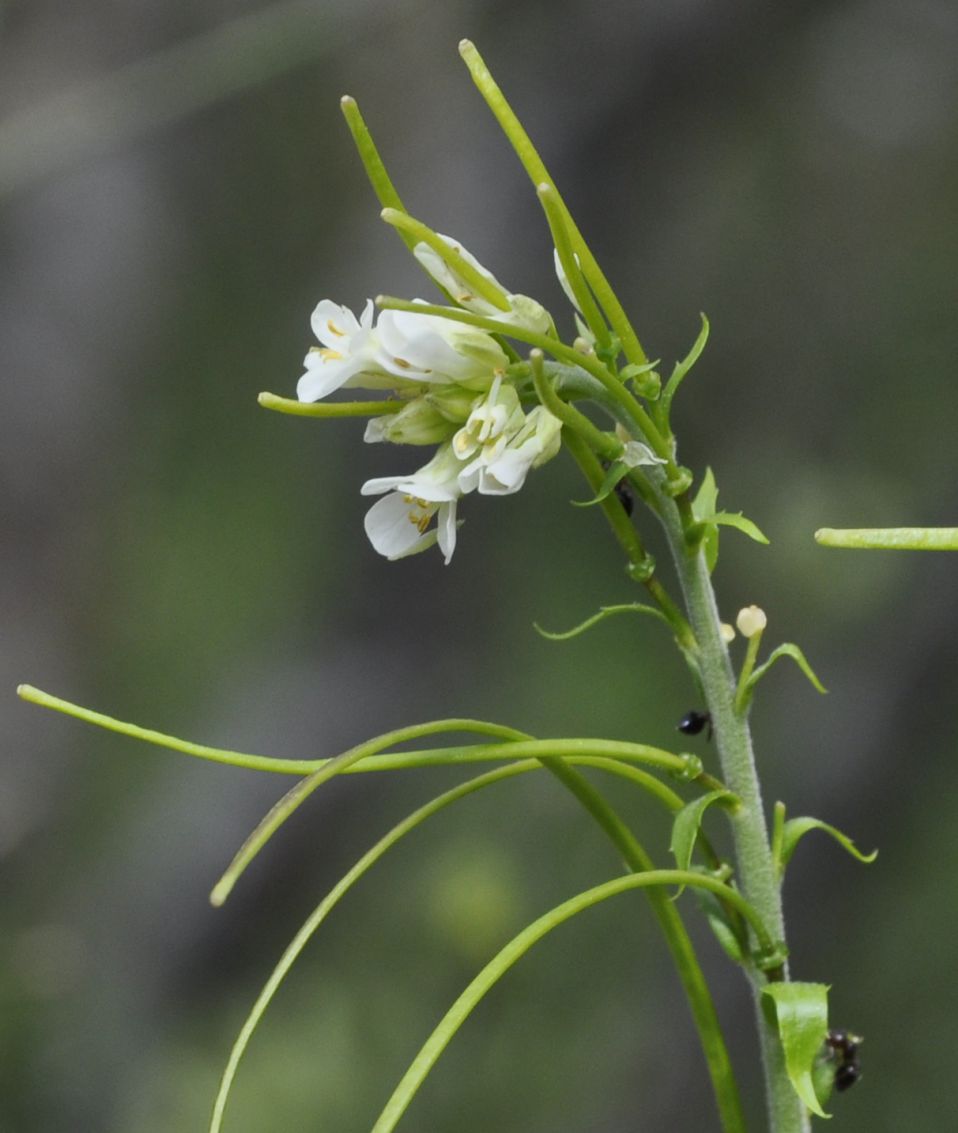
column 393, row 526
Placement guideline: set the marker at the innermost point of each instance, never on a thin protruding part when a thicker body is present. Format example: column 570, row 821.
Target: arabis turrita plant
column 475, row 393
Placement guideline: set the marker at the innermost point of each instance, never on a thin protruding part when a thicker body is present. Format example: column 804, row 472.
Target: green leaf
column 801, row 1011
column 685, row 826
column 706, row 498
column 729, row 936
column 703, row 508
column 627, row 373
column 617, row 471
column 786, row 650
column 736, row 519
column 682, row 368
column 604, row 612
column 796, row 828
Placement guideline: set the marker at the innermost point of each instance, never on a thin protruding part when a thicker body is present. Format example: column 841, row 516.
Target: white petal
column 392, row 531
column 375, row 430
column 635, row 453
column 323, row 376
column 334, row 325
column 507, row 474
column 380, row 484
column 446, row 530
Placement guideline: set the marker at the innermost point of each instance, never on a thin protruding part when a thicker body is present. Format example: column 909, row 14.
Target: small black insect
column 845, row 1047
column 626, row 499
column 692, row 723
column 623, row 492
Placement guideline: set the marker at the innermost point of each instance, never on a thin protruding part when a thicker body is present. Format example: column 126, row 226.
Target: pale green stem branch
column 890, row 538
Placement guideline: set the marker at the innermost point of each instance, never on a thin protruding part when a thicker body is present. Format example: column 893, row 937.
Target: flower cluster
column 452, row 389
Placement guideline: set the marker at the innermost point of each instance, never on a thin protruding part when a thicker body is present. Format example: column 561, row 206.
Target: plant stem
column 755, row 866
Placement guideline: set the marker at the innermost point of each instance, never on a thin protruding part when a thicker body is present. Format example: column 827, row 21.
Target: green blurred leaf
column 685, row 827
column 617, row 471
column 730, row 936
column 604, row 612
column 801, row 1011
column 682, row 368
column 796, row 828
column 786, row 650
column 736, row 519
column 703, row 508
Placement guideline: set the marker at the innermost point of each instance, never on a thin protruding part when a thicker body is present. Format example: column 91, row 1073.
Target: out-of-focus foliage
column 176, row 556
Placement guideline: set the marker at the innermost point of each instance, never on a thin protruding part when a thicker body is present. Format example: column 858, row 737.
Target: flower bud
column 418, row 423
column 727, row 632
column 750, row 621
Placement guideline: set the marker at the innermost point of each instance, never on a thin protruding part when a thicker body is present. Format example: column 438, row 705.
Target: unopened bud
column 751, row 621
column 727, row 632
column 418, row 423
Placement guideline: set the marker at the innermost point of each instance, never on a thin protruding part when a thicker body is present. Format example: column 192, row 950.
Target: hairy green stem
column 755, row 865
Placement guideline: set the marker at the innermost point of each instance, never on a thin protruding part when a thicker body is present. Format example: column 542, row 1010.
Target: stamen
column 333, row 329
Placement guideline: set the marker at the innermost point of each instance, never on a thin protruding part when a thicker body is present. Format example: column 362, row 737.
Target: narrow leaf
column 706, row 498
column 736, row 519
column 796, row 828
column 786, row 650
column 685, row 826
column 604, row 612
column 617, row 471
column 801, row 1011
column 725, row 932
column 703, row 508
column 682, row 368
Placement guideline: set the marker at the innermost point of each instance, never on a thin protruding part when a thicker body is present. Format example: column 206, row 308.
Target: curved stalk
column 683, row 954
column 514, row 951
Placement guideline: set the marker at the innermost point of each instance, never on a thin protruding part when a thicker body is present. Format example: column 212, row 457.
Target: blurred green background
column 178, row 190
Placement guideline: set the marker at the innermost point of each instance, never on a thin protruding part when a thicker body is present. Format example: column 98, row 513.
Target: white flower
column 405, row 350
column 502, row 443
column 348, row 352
column 398, row 525
column 492, row 421
column 427, row 348
column 523, row 312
